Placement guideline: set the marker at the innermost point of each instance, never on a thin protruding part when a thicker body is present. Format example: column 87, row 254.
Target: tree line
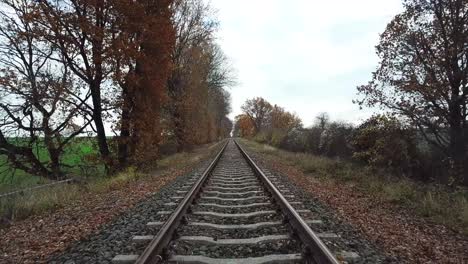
column 421, row 89
column 382, row 141
column 422, row 78
column 133, row 76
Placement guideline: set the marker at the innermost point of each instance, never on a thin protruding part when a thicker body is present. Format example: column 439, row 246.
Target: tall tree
column 142, row 69
column 198, row 101
column 243, row 126
column 258, row 110
column 83, row 32
column 423, row 75
column 40, row 103
column 280, row 119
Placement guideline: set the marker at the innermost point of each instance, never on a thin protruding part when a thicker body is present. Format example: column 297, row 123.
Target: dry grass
column 23, row 205
column 433, row 202
column 46, row 200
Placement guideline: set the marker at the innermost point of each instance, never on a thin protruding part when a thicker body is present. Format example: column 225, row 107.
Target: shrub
column 383, row 141
column 295, row 141
column 278, row 137
column 334, row 140
column 312, row 139
column 261, row 137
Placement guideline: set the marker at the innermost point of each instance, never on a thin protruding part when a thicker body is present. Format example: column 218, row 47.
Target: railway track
column 234, row 213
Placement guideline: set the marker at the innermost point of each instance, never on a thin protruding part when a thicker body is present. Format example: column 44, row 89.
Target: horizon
column 306, row 57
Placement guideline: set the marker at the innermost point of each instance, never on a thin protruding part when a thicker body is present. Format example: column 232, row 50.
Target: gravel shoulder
column 116, row 237
column 98, row 226
column 403, row 237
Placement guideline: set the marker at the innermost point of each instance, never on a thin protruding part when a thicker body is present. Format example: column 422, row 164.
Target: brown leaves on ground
column 36, row 238
column 394, row 229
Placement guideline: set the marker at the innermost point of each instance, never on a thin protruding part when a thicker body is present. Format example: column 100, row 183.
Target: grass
column 31, row 203
column 77, row 157
column 48, row 199
column 436, row 203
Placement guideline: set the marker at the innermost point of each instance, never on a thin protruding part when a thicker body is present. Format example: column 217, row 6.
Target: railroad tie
column 233, row 203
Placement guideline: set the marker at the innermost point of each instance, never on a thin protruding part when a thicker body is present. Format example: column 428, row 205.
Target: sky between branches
column 305, row 55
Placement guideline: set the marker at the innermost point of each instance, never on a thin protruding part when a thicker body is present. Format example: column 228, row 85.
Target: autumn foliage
column 384, row 141
column 244, row 126
column 133, row 75
column 198, row 102
column 381, row 142
column 268, row 123
column 422, row 85
column 423, row 76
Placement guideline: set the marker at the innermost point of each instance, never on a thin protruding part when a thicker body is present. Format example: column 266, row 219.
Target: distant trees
column 243, row 126
column 384, row 141
column 147, row 70
column 280, row 119
column 279, row 123
column 258, row 110
column 198, row 101
column 380, row 142
column 269, row 123
column 324, row 137
column 334, row 140
column 423, row 76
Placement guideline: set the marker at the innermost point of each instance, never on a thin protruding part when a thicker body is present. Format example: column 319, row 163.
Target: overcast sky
column 305, row 55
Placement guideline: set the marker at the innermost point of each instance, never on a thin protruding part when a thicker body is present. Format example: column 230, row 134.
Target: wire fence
column 22, row 191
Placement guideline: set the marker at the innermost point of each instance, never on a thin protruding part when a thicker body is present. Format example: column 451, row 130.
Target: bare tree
column 423, row 75
column 200, row 75
column 82, row 31
column 258, row 110
column 40, row 102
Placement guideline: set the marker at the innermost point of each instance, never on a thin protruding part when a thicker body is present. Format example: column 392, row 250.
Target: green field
column 78, row 159
column 22, row 205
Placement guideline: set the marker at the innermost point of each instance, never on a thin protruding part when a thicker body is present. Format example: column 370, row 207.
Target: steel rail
column 316, row 249
column 153, row 253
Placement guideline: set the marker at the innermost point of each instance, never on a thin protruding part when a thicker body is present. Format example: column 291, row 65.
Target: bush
column 334, row 140
column 261, row 137
column 278, row 137
column 384, row 142
column 295, row 141
column 436, row 202
column 312, row 139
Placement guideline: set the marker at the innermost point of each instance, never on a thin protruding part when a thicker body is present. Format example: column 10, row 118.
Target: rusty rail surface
column 155, row 251
column 316, row 251
column 315, row 247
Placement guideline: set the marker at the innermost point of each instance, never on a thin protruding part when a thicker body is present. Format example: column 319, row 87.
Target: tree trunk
column 99, row 123
column 54, row 155
column 124, row 139
column 457, row 145
column 179, row 130
column 54, row 152
column 55, row 163
column 174, row 87
column 23, row 158
column 95, row 87
column 465, row 174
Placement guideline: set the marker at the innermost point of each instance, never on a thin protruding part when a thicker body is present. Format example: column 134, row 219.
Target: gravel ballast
column 116, row 237
column 349, row 238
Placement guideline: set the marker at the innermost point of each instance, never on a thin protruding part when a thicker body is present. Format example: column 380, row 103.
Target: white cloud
column 305, row 55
